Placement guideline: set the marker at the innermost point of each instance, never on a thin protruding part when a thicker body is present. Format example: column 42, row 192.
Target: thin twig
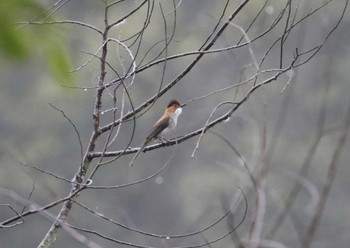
column 75, row 130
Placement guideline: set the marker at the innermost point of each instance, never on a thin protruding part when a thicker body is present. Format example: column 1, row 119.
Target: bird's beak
column 183, row 105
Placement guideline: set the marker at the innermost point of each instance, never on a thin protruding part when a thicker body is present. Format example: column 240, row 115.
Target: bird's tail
column 138, row 153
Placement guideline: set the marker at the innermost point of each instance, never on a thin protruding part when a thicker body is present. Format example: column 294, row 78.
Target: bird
column 165, row 123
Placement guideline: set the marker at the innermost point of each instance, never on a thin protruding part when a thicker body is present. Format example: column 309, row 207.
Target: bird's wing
column 158, row 128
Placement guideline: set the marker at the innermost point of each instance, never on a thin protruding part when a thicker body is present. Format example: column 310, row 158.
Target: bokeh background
column 273, row 130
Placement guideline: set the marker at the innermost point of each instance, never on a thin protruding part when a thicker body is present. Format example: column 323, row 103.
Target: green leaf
column 60, row 63
column 13, row 43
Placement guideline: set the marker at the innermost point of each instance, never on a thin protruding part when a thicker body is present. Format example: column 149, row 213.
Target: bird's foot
column 163, row 140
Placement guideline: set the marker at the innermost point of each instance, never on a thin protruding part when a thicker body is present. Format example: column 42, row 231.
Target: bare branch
column 38, row 210
column 5, row 225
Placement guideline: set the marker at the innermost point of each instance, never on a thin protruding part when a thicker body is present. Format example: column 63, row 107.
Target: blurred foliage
column 14, row 41
column 19, row 42
column 60, row 62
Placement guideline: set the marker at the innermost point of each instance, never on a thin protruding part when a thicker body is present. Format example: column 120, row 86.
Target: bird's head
column 174, row 106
